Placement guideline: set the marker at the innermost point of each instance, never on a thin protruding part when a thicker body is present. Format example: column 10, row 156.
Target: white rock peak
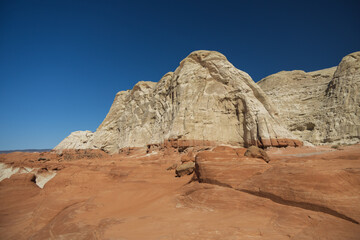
column 205, row 100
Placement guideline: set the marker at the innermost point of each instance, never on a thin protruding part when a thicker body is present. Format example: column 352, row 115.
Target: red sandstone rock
column 133, row 196
column 188, row 157
column 226, row 166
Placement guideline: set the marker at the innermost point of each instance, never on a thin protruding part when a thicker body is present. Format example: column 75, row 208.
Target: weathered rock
column 42, row 176
column 324, row 181
column 342, row 103
column 172, row 167
column 205, row 99
column 188, row 157
column 303, row 193
column 185, row 169
column 321, row 106
column 76, row 140
column 327, row 182
column 227, row 166
column 255, row 152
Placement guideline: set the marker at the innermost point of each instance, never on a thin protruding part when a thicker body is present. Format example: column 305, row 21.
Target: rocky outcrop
column 321, row 106
column 76, row 140
column 227, row 166
column 342, row 103
column 206, row 100
column 326, row 181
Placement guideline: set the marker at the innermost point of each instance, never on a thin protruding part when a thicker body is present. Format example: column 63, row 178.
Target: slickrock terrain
column 321, row 106
column 302, row 193
column 205, row 99
column 204, row 153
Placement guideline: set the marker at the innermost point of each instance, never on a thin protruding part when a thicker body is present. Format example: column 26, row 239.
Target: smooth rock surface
column 327, row 181
column 132, row 196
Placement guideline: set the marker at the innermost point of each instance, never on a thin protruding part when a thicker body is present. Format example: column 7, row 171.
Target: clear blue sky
column 62, row 62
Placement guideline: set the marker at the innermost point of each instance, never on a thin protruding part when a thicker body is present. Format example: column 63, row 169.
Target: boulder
column 255, row 152
column 188, row 157
column 185, row 169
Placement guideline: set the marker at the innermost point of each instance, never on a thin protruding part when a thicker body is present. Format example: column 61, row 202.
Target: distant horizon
column 25, row 150
column 62, row 62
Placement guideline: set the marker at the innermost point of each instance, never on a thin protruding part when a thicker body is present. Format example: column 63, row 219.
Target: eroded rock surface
column 303, row 193
column 205, row 99
column 255, row 152
column 76, row 140
column 321, row 106
column 326, row 181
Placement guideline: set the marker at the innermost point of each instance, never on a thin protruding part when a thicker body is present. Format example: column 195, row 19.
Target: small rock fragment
column 185, row 169
column 256, row 152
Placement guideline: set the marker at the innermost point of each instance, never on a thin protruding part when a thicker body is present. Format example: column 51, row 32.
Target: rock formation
column 302, row 193
column 76, row 140
column 205, row 101
column 321, row 106
column 333, row 179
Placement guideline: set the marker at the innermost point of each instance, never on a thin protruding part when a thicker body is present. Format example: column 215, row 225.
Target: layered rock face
column 342, row 102
column 206, row 99
column 321, row 106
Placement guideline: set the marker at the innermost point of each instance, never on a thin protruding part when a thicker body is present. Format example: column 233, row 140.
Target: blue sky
column 62, row 62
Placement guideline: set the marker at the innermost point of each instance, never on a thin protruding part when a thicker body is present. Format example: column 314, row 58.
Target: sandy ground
column 132, row 196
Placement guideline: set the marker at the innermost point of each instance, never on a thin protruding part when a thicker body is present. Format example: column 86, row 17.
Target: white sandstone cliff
column 205, row 99
column 322, row 106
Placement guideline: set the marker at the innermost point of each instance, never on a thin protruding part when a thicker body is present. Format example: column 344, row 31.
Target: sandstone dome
column 205, row 101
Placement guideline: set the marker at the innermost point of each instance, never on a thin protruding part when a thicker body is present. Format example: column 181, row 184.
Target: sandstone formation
column 39, row 176
column 227, row 166
column 321, row 106
column 327, row 181
column 303, row 193
column 205, row 99
column 76, row 140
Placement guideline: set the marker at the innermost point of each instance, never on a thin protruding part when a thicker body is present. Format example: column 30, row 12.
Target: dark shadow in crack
column 304, row 205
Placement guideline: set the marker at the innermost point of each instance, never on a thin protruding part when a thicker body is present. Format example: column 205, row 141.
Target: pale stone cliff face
column 76, row 140
column 205, row 99
column 342, row 102
column 322, row 106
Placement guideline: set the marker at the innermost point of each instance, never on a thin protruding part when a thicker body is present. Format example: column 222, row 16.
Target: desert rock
column 205, row 99
column 256, row 152
column 185, row 169
column 326, row 181
column 322, row 106
column 76, row 140
column 303, row 193
column 227, row 166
